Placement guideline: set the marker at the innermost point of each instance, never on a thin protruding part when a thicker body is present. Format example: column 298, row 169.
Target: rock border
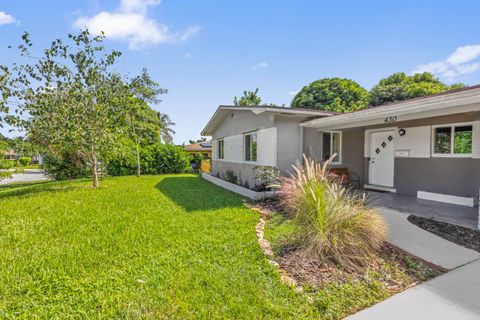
column 266, row 248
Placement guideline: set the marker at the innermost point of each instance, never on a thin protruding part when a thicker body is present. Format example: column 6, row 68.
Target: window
column 250, row 146
column 452, row 140
column 332, row 143
column 221, row 145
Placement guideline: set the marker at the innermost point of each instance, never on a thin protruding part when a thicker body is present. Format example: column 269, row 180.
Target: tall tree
column 332, row 94
column 142, row 119
column 65, row 97
column 249, row 98
column 399, row 86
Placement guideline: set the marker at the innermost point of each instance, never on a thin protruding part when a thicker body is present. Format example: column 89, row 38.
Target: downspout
column 301, row 149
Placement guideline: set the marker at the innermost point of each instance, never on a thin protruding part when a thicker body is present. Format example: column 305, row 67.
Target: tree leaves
column 332, row 94
column 400, row 86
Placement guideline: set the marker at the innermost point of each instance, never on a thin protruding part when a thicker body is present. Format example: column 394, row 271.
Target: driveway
column 454, row 295
column 27, row 176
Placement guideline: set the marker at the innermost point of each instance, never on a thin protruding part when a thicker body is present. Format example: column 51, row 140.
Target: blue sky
column 206, row 52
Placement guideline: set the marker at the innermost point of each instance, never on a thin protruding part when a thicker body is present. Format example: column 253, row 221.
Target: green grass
column 149, row 247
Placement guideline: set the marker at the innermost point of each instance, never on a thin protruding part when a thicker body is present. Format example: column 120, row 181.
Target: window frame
column 338, row 160
column 221, row 150
column 245, row 134
column 452, row 153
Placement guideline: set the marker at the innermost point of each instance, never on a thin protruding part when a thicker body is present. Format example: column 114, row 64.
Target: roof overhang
column 223, row 111
column 440, row 105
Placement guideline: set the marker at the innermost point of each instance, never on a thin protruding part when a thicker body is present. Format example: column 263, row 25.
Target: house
column 9, row 154
column 246, row 137
column 427, row 147
column 203, row 148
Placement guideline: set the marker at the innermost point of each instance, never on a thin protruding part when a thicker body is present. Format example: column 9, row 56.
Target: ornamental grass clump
column 334, row 225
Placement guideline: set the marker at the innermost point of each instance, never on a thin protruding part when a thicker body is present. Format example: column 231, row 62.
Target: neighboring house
column 427, row 147
column 10, row 155
column 203, row 148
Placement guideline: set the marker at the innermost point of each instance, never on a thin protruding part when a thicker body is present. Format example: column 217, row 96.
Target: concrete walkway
column 423, row 244
column 450, row 213
column 27, row 176
column 454, row 295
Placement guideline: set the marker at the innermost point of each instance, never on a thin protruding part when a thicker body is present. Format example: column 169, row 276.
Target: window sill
column 451, row 155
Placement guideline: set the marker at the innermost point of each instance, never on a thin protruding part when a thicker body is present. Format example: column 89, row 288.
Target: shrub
column 266, row 177
column 7, row 164
column 334, row 225
column 230, row 177
column 196, row 162
column 154, row 159
column 65, row 167
column 24, row 161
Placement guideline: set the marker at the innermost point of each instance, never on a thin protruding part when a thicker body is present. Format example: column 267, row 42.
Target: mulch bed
column 465, row 237
column 309, row 272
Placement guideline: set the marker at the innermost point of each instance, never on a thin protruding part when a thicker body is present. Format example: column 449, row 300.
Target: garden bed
column 465, row 237
column 329, row 287
column 251, row 194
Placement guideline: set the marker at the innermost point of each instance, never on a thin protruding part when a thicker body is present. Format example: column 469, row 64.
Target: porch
column 454, row 214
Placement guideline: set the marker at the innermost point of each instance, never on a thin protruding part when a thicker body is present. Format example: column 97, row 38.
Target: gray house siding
column 454, row 176
column 352, row 150
column 352, row 157
column 312, row 143
column 288, row 142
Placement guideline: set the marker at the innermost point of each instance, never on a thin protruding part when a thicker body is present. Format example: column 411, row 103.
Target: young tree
column 145, row 124
column 332, row 94
column 400, row 86
column 64, row 98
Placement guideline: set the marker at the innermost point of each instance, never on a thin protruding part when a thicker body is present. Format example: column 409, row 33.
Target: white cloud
column 188, row 55
column 7, row 19
column 464, row 54
column 464, row 60
column 260, row 65
column 130, row 23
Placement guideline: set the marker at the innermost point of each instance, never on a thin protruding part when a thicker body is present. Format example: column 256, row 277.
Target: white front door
column 382, row 155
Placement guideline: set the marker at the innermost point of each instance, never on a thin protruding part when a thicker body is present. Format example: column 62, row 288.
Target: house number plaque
column 390, row 119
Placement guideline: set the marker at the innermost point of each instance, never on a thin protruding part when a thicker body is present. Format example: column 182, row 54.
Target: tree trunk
column 94, row 168
column 138, row 162
column 137, row 151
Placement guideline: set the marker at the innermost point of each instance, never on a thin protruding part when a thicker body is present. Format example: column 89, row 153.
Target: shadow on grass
column 23, row 189
column 196, row 194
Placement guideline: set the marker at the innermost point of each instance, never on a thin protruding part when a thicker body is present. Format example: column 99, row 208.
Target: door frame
column 373, row 186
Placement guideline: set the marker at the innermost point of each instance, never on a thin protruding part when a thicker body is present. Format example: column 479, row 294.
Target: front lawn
column 170, row 246
column 149, row 247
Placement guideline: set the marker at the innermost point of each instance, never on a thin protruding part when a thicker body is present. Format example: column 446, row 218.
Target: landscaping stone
column 267, row 250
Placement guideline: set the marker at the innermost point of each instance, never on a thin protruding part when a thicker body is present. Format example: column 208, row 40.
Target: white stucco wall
column 234, row 148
